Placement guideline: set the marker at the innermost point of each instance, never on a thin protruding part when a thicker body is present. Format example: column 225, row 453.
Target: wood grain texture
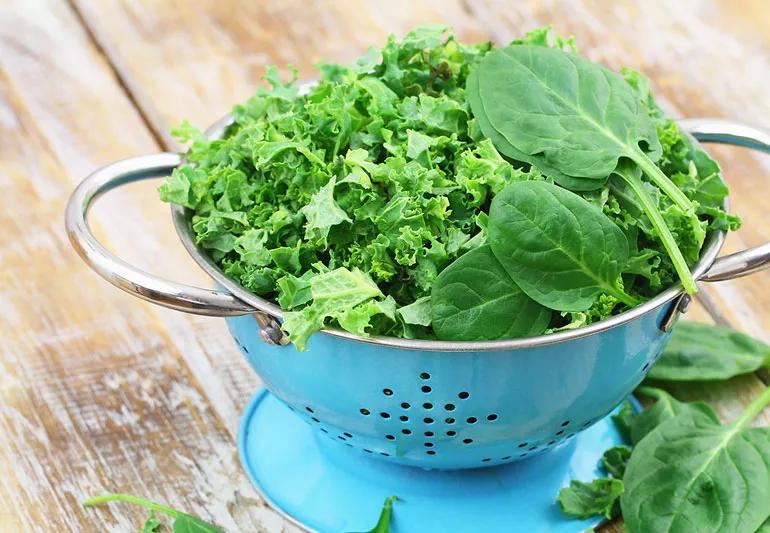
column 101, row 391
column 95, row 390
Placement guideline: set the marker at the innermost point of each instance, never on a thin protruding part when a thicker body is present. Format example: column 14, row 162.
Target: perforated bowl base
column 327, row 487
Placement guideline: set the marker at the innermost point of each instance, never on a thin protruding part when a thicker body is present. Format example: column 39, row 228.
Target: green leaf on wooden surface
column 664, row 408
column 706, row 352
column 692, row 474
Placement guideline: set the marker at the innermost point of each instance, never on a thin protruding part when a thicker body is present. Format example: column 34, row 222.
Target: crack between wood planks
column 148, row 114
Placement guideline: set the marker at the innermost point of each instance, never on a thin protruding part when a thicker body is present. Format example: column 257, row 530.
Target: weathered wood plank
column 95, row 393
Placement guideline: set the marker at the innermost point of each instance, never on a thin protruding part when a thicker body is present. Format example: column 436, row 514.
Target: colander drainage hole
column 405, row 405
column 463, row 395
column 492, row 417
column 551, row 443
column 449, row 420
column 427, row 405
column 428, row 420
column 449, row 407
column 428, row 444
column 451, row 433
column 403, row 418
column 406, row 431
column 426, row 389
column 486, row 460
column 523, row 445
column 565, row 423
column 424, row 375
column 385, row 415
column 324, row 430
column 471, row 420
column 368, row 450
column 348, row 435
column 506, row 458
column 560, row 433
column 365, row 412
column 385, row 454
column 387, row 392
column 309, row 410
column 645, row 367
column 390, row 437
column 431, row 452
column 532, row 448
column 314, row 419
column 246, row 350
column 428, row 433
column 467, row 441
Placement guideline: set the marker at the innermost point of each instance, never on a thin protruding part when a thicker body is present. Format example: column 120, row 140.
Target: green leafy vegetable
column 665, row 408
column 382, row 171
column 560, row 249
column 475, row 299
column 575, row 120
column 692, row 474
column 152, row 524
column 624, row 420
column 706, row 352
column 583, row 500
column 383, row 524
column 183, row 522
column 615, row 459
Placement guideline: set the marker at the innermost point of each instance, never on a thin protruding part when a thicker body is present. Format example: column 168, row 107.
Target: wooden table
column 102, row 392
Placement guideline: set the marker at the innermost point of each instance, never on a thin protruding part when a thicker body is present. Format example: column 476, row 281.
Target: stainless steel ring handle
column 714, row 130
column 133, row 280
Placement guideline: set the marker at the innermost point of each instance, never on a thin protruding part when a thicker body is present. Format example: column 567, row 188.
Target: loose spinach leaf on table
column 183, row 522
column 706, row 352
column 584, row 500
column 559, row 248
column 575, row 119
column 692, row 474
column 475, row 299
column 664, row 408
column 615, row 459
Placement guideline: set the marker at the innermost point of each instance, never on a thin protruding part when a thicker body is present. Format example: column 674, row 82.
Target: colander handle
column 133, row 280
column 714, row 130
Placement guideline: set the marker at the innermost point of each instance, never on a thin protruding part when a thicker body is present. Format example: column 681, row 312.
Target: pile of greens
column 366, row 202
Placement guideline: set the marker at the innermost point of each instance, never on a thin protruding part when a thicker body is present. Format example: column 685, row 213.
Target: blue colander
column 416, row 403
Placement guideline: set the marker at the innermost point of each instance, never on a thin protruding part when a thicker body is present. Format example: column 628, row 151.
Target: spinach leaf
column 559, row 248
column 624, row 420
column 475, row 299
column 665, row 408
column 152, row 524
column 383, row 524
column 692, row 474
column 615, row 459
column 705, row 352
column 558, row 111
column 183, row 522
column 584, row 500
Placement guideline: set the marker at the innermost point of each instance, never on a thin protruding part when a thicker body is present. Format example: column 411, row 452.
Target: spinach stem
column 669, row 243
column 623, row 296
column 663, row 181
column 753, row 409
column 128, row 498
